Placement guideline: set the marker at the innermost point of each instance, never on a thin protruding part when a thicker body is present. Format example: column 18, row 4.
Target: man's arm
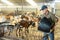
column 54, row 18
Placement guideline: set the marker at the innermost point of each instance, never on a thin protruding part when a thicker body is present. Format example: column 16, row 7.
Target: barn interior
column 13, row 11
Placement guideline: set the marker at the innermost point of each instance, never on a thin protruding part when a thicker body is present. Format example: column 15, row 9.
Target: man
column 48, row 14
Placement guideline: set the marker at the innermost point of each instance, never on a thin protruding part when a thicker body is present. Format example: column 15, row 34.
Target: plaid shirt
column 49, row 15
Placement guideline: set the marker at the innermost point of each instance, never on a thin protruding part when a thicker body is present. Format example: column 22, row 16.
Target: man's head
column 44, row 9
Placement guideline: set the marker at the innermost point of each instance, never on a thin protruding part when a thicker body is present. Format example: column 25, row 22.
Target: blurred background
column 11, row 10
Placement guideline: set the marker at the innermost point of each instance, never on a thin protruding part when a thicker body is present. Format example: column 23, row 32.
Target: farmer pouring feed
column 47, row 22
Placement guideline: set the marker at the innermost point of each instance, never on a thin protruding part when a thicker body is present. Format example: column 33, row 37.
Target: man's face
column 44, row 11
